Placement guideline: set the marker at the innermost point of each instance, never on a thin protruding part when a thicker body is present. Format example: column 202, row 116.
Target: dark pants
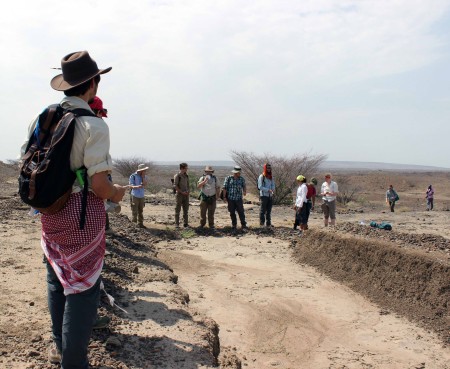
column 233, row 206
column 392, row 205
column 72, row 319
column 265, row 210
column 307, row 210
column 301, row 216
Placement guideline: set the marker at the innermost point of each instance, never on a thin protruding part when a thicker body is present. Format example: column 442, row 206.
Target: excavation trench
column 288, row 303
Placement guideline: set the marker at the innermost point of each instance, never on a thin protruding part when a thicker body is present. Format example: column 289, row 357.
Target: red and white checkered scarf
column 75, row 255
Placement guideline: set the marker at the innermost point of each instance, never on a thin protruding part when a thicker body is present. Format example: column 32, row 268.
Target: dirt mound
column 401, row 280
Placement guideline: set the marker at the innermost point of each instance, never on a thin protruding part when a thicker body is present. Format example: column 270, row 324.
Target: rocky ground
column 348, row 297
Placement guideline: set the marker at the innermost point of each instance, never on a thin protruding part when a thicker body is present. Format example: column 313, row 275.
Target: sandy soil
column 260, row 299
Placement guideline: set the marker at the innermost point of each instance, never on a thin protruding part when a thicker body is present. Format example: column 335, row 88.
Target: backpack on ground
column 45, row 176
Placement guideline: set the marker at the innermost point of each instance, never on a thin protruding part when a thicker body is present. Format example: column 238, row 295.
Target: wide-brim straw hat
column 77, row 68
column 236, row 170
column 209, row 168
column 142, row 167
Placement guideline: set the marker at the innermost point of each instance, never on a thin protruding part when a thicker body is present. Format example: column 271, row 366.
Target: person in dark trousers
column 74, row 256
column 310, row 198
column 301, row 204
column 234, row 189
column 430, row 197
column 266, row 186
column 391, row 197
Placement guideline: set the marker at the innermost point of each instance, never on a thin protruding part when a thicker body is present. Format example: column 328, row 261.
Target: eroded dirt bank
column 405, row 280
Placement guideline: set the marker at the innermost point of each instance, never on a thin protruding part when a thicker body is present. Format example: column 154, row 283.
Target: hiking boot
column 140, row 225
column 295, row 227
column 54, row 356
column 244, row 226
column 186, row 225
column 101, row 322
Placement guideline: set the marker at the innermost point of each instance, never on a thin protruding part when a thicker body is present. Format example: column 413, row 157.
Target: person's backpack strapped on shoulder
column 45, row 176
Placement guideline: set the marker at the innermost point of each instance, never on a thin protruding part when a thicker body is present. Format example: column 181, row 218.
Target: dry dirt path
column 278, row 314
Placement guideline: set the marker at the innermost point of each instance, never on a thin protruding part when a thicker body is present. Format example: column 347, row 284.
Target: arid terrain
column 345, row 297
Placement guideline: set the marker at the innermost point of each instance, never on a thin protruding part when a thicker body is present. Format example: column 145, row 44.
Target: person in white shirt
column 301, row 206
column 329, row 191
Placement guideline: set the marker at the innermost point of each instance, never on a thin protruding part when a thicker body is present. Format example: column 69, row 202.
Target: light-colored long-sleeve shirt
column 265, row 184
column 301, row 195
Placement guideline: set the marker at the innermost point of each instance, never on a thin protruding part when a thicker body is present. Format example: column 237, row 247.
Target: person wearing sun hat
column 301, row 203
column 329, row 191
column 234, row 189
column 209, row 191
column 138, row 181
column 74, row 256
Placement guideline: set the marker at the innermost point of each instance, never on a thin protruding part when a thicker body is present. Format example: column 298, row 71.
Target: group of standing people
column 305, row 201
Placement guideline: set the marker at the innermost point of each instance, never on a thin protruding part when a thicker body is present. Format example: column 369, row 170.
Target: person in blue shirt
column 234, row 189
column 138, row 181
column 266, row 186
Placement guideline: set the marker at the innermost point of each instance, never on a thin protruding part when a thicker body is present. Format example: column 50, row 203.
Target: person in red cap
column 74, row 256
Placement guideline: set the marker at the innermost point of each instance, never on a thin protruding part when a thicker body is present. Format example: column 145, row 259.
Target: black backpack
column 45, row 177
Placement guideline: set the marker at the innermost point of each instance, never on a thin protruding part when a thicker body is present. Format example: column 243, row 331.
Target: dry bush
column 285, row 170
column 347, row 190
column 127, row 166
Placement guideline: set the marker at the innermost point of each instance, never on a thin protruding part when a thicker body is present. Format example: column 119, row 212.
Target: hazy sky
column 192, row 80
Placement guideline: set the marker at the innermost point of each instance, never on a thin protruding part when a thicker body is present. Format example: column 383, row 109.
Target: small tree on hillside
column 127, row 166
column 285, row 170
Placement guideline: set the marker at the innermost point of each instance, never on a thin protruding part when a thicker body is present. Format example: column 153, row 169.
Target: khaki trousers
column 182, row 201
column 210, row 207
column 137, row 209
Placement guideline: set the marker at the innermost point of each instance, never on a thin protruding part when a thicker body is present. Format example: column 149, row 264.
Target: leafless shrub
column 127, row 166
column 347, row 190
column 285, row 170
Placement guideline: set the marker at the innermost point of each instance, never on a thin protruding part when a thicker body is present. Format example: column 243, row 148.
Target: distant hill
column 327, row 165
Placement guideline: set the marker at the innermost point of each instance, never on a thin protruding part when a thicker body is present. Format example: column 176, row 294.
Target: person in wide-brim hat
column 141, row 167
column 209, row 168
column 77, row 68
column 236, row 169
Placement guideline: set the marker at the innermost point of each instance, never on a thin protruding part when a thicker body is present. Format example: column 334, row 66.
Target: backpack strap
column 79, row 113
column 84, row 199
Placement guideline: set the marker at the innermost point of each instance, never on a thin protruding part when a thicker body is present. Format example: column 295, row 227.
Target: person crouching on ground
column 138, row 181
column 266, row 186
column 301, row 204
column 209, row 191
column 329, row 191
column 234, row 188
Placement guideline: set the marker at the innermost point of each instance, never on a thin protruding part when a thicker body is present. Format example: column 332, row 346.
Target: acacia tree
column 127, row 166
column 285, row 170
